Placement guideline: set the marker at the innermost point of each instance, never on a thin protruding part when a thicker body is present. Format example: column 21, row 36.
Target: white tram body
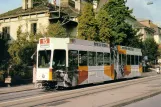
column 67, row 62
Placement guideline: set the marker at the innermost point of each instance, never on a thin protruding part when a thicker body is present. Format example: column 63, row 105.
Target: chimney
column 24, row 4
column 30, row 4
column 27, row 4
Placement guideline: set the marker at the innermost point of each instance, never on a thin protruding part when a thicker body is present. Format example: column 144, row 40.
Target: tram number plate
column 7, row 80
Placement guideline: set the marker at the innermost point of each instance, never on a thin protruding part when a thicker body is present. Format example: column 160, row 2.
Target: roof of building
column 146, row 27
column 152, row 26
column 38, row 9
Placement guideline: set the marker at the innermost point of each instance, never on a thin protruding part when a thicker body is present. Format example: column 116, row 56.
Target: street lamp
column 149, row 3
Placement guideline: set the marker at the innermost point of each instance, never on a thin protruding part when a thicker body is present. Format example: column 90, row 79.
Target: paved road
column 105, row 95
column 28, row 91
column 150, row 102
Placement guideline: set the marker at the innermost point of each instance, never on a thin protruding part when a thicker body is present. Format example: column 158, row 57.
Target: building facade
column 157, row 29
column 34, row 16
column 143, row 30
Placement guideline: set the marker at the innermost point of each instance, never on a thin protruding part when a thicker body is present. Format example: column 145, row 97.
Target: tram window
column 140, row 59
column 132, row 60
column 59, row 58
column 120, row 58
column 73, row 58
column 124, row 59
column 99, row 58
column 112, row 59
column 83, row 58
column 107, row 58
column 44, row 58
column 136, row 60
column 128, row 60
column 92, row 58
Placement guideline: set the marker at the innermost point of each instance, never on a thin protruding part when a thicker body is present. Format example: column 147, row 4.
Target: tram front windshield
column 44, row 57
column 59, row 58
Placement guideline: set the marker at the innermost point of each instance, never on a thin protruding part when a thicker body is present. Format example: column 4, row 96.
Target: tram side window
column 128, row 60
column 82, row 58
column 107, row 58
column 132, row 60
column 92, row 58
column 99, row 58
column 136, row 60
column 140, row 59
column 112, row 59
column 124, row 59
column 73, row 58
column 120, row 58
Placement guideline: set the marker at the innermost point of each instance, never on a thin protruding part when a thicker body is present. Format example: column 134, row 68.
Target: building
column 35, row 15
column 151, row 25
column 143, row 30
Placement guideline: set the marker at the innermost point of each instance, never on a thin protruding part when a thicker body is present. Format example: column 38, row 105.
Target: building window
column 6, row 33
column 72, row 3
column 34, row 28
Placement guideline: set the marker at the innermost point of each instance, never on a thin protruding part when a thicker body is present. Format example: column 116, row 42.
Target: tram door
column 118, row 64
column 114, row 60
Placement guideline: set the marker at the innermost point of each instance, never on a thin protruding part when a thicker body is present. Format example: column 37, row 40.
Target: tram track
column 22, row 94
column 62, row 95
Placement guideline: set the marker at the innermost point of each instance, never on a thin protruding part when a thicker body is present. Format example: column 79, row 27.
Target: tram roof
column 74, row 41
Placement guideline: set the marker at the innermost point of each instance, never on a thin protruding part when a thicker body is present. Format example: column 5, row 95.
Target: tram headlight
column 43, row 76
column 61, row 74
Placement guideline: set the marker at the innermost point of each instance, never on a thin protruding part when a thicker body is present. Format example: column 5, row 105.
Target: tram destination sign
column 127, row 48
column 100, row 44
column 44, row 43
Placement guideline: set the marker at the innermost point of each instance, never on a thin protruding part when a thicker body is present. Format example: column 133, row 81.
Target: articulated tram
column 66, row 62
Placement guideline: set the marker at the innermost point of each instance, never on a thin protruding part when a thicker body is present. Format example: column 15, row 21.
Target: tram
column 68, row 62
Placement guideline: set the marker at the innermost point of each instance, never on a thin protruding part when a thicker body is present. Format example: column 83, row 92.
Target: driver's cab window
column 59, row 58
column 44, row 58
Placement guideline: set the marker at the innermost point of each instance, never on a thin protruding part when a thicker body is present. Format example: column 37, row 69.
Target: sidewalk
column 17, row 88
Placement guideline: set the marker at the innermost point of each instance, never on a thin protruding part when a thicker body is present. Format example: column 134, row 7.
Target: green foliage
column 4, row 56
column 21, row 49
column 56, row 30
column 132, row 40
column 24, row 47
column 150, row 49
column 112, row 26
column 87, row 26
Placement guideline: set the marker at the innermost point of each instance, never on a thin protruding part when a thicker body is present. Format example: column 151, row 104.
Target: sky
column 143, row 11
column 140, row 8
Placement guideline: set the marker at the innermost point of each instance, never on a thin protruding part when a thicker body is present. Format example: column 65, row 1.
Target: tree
column 87, row 26
column 4, row 55
column 56, row 30
column 21, row 49
column 150, row 49
column 112, row 26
